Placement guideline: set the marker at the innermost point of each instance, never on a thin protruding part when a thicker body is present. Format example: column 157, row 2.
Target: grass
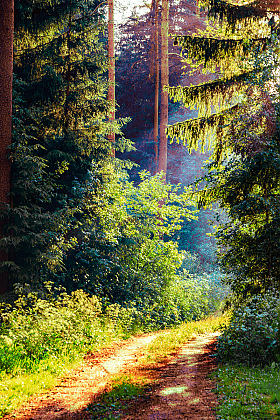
column 170, row 340
column 15, row 390
column 17, row 387
column 123, row 390
column 248, row 393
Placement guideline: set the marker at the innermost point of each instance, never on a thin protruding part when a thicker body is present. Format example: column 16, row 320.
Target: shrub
column 251, row 338
column 36, row 329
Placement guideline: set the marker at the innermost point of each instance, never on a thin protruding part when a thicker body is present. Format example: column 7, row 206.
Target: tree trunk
column 162, row 164
column 111, row 58
column 156, row 86
column 6, row 80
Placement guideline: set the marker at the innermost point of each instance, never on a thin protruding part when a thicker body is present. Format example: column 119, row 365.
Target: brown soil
column 182, row 390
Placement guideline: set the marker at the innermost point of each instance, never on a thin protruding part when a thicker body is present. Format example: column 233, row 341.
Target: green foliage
column 247, row 188
column 60, row 132
column 121, row 254
column 247, row 393
column 38, row 328
column 239, row 37
column 252, row 336
column 234, row 14
column 201, row 132
column 210, row 50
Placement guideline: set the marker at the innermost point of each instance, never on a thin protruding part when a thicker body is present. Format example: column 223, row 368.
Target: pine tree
column 162, row 158
column 155, row 8
column 238, row 114
column 137, row 76
column 60, row 132
column 229, row 50
column 111, row 71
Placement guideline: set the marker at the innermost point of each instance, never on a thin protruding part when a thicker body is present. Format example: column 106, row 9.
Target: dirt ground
column 182, row 389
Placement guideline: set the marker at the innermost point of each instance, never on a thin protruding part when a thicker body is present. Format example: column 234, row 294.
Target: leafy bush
column 186, row 298
column 38, row 328
column 251, row 338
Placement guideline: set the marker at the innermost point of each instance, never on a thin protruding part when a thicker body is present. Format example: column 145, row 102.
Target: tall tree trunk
column 111, row 58
column 6, row 81
column 68, row 73
column 162, row 162
column 156, row 85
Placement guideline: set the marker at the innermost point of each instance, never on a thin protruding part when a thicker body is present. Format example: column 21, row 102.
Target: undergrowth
column 252, row 336
column 248, row 376
column 41, row 338
column 247, row 393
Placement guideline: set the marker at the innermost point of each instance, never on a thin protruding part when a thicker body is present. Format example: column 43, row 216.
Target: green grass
column 170, row 340
column 15, row 390
column 112, row 403
column 248, row 393
column 17, row 387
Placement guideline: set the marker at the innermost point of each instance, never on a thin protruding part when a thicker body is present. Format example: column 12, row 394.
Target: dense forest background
column 139, row 183
column 76, row 215
column 86, row 205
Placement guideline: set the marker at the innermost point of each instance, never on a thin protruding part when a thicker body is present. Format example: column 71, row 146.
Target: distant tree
column 162, row 159
column 155, row 8
column 111, row 71
column 138, row 78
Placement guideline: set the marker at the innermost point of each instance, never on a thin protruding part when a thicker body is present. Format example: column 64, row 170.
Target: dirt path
column 182, row 392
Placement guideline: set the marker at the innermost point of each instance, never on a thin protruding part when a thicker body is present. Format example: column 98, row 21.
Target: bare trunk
column 267, row 222
column 156, row 86
column 68, row 73
column 162, row 164
column 6, row 81
column 111, row 58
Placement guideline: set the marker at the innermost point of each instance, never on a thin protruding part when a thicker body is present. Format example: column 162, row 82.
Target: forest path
column 182, row 390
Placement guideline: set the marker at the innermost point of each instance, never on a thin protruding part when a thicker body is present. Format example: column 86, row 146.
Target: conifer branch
column 201, row 132
column 215, row 93
column 233, row 13
column 215, row 49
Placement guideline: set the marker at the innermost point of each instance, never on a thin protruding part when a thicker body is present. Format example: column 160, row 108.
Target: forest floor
column 179, row 384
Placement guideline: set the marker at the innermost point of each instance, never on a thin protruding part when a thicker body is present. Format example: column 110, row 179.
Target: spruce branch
column 214, row 93
column 234, row 14
column 209, row 50
column 202, row 131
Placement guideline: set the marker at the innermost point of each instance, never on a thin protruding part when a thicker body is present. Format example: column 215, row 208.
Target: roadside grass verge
column 170, row 340
column 124, row 390
column 247, row 393
column 16, row 388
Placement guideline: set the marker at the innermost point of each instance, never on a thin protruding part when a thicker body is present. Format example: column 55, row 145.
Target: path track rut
column 182, row 391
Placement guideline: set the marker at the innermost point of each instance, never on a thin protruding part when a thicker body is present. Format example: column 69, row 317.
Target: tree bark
column 156, row 85
column 162, row 163
column 6, row 81
column 111, row 58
